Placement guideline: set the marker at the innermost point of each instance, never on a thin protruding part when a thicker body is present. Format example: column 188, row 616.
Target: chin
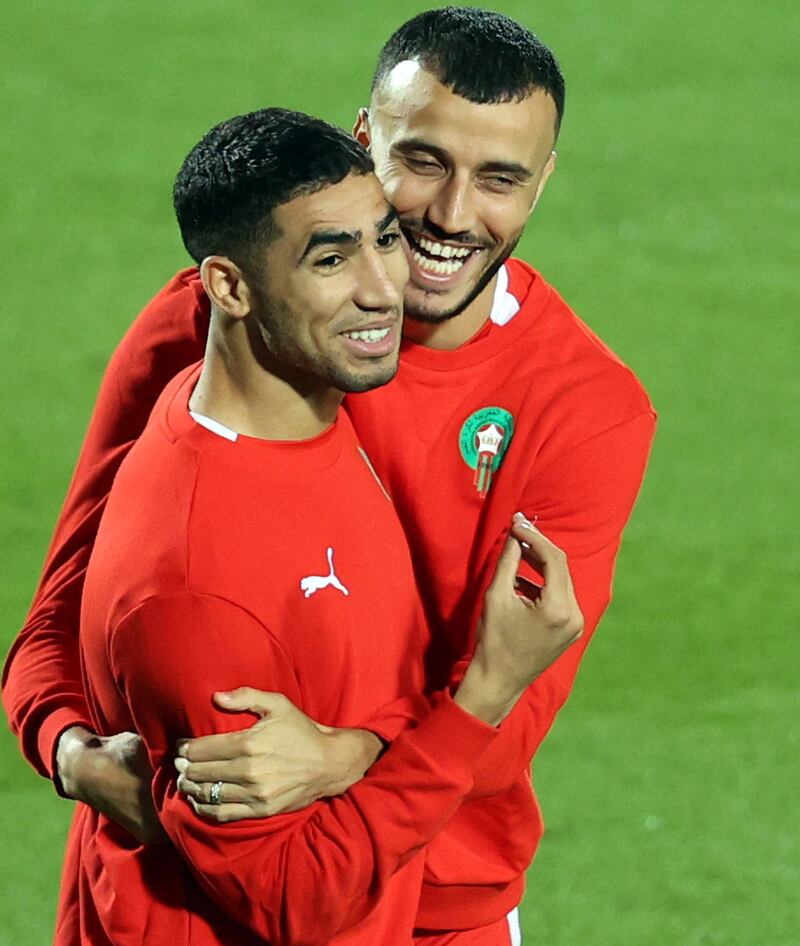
column 431, row 308
column 353, row 383
column 431, row 315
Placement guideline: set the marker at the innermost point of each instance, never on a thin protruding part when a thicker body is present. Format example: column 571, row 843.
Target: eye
column 500, row 183
column 329, row 261
column 423, row 166
column 386, row 241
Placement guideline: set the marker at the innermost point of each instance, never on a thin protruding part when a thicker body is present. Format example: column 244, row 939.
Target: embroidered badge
column 484, row 439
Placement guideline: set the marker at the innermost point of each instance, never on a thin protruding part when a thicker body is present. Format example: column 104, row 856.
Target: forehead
column 355, row 203
column 411, row 103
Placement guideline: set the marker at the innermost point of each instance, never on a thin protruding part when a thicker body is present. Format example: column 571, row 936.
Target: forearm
column 525, row 727
column 42, row 689
column 349, row 754
column 308, row 875
column 301, row 876
column 42, row 683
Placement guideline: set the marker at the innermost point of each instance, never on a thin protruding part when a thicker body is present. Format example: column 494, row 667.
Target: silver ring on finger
column 214, row 793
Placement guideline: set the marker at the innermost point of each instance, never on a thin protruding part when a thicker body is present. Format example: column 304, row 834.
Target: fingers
column 222, row 746
column 557, row 597
column 238, row 770
column 248, row 699
column 527, row 589
column 223, row 813
column 505, row 572
column 545, row 556
column 236, row 803
column 200, row 792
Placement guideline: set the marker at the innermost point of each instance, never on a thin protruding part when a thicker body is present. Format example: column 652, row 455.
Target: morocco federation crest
column 484, row 439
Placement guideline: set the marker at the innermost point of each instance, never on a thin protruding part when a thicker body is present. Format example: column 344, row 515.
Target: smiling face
column 328, row 302
column 464, row 178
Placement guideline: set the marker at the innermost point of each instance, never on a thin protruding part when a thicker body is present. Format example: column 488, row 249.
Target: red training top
column 577, row 427
column 280, row 566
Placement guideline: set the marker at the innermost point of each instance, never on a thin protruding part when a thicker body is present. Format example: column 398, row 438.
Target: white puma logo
column 315, row 583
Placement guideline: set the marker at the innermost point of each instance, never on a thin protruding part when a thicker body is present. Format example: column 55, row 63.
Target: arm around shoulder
column 305, row 875
column 42, row 687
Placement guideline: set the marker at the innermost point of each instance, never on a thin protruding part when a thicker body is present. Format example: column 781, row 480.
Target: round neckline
column 296, row 457
column 531, row 292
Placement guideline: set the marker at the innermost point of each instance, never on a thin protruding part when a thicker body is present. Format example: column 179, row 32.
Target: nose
column 376, row 289
column 452, row 209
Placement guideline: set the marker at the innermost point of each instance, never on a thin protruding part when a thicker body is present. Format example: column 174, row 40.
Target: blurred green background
column 670, row 782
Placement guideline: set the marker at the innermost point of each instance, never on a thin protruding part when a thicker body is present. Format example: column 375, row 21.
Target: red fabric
column 42, row 687
column 196, row 584
column 493, row 934
column 583, row 427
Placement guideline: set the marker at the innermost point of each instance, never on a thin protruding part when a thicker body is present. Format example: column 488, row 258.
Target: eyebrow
column 388, row 219
column 345, row 237
column 505, row 167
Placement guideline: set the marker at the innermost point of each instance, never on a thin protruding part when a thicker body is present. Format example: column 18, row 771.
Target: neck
column 454, row 332
column 242, row 387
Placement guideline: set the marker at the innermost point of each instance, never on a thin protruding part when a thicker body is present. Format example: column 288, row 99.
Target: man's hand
column 282, row 763
column 112, row 775
column 523, row 628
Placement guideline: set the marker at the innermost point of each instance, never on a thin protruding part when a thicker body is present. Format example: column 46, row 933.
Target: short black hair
column 482, row 56
column 245, row 167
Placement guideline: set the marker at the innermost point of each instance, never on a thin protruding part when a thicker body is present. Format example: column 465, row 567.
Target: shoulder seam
column 195, row 594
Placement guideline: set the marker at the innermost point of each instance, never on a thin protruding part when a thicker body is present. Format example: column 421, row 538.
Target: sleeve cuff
column 396, row 717
column 454, row 737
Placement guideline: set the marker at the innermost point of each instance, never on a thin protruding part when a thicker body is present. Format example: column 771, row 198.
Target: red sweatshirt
column 577, row 442
column 281, row 566
column 537, row 415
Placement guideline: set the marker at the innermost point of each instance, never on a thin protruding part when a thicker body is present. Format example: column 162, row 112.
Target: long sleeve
column 582, row 501
column 298, row 877
column 42, row 689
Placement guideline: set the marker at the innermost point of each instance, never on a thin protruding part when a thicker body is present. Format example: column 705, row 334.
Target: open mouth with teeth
column 438, row 260
column 372, row 341
column 368, row 335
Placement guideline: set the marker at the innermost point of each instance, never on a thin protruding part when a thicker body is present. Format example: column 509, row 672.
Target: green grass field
column 670, row 782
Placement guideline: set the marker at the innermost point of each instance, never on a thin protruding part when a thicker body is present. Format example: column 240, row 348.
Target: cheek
column 322, row 309
column 405, row 191
column 505, row 220
column 397, row 268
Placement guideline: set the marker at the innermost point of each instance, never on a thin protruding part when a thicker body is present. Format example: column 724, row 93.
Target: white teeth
column 368, row 335
column 443, row 249
column 439, row 267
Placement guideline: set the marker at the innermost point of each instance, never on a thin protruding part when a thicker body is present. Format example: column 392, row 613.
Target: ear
column 547, row 170
column 361, row 128
column 225, row 286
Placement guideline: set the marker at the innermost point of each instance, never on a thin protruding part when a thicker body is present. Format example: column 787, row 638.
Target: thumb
column 248, row 699
column 505, row 572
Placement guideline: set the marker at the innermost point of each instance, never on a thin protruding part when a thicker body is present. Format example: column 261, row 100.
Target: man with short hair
column 247, row 538
column 504, row 400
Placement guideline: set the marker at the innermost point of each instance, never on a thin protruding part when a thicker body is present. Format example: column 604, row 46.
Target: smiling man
column 464, row 171
column 504, row 401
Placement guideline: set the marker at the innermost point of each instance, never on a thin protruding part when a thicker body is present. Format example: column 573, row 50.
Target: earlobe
column 361, row 128
column 225, row 286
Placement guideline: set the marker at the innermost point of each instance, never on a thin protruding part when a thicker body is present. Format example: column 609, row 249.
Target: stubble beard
column 435, row 318
column 312, row 370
